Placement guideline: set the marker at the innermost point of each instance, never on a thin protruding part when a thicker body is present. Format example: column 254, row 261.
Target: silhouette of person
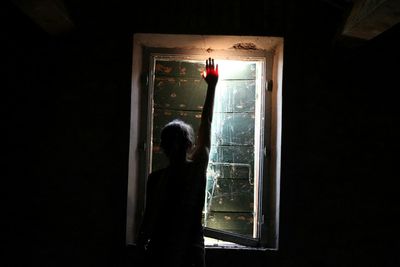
column 171, row 233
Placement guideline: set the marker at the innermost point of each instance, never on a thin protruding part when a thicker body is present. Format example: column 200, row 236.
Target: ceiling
column 363, row 19
column 369, row 18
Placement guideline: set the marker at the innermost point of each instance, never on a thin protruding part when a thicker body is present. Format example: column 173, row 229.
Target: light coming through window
column 233, row 173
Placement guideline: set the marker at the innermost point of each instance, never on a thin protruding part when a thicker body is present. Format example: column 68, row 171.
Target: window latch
column 268, row 85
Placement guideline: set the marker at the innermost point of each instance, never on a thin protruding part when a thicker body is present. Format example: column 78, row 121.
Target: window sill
column 237, row 247
column 214, row 244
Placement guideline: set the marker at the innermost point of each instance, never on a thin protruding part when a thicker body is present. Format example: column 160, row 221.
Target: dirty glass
column 179, row 93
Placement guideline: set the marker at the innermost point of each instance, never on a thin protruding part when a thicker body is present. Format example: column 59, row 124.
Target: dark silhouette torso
column 174, row 209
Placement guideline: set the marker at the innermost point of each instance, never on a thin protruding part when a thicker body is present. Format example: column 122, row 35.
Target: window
column 241, row 205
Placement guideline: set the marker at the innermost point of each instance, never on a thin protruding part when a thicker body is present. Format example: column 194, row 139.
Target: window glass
column 179, row 92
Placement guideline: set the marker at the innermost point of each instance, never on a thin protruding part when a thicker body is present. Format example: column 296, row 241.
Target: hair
column 176, row 133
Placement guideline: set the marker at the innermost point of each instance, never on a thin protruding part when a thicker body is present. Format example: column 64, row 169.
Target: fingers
column 211, row 68
column 210, row 64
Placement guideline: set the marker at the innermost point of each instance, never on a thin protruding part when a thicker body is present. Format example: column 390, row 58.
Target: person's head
column 177, row 138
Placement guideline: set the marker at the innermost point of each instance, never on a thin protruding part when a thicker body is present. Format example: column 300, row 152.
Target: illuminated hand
column 211, row 73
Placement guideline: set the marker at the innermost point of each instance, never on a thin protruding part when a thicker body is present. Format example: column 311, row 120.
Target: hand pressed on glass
column 210, row 75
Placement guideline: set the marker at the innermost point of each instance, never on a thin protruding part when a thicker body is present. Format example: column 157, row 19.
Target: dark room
column 301, row 135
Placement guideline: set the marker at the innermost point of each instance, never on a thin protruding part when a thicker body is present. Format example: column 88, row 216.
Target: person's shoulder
column 200, row 157
column 201, row 154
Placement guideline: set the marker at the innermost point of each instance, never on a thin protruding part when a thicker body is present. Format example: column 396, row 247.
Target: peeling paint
column 245, row 46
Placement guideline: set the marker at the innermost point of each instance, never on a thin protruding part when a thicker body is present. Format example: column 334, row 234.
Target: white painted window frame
column 208, row 46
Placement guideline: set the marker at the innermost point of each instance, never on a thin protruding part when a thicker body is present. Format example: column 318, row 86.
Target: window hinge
column 145, row 79
column 266, row 152
column 144, row 146
column 268, row 85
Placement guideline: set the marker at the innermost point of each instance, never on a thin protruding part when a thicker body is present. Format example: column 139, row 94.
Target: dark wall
column 67, row 112
column 67, row 123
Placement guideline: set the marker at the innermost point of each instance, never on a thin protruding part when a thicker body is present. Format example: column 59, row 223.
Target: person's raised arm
column 204, row 135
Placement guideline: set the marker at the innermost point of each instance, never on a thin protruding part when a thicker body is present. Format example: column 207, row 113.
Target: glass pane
column 235, row 195
column 178, row 68
column 179, row 92
column 163, row 116
column 232, row 154
column 237, row 70
column 235, row 96
column 233, row 129
column 240, row 223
